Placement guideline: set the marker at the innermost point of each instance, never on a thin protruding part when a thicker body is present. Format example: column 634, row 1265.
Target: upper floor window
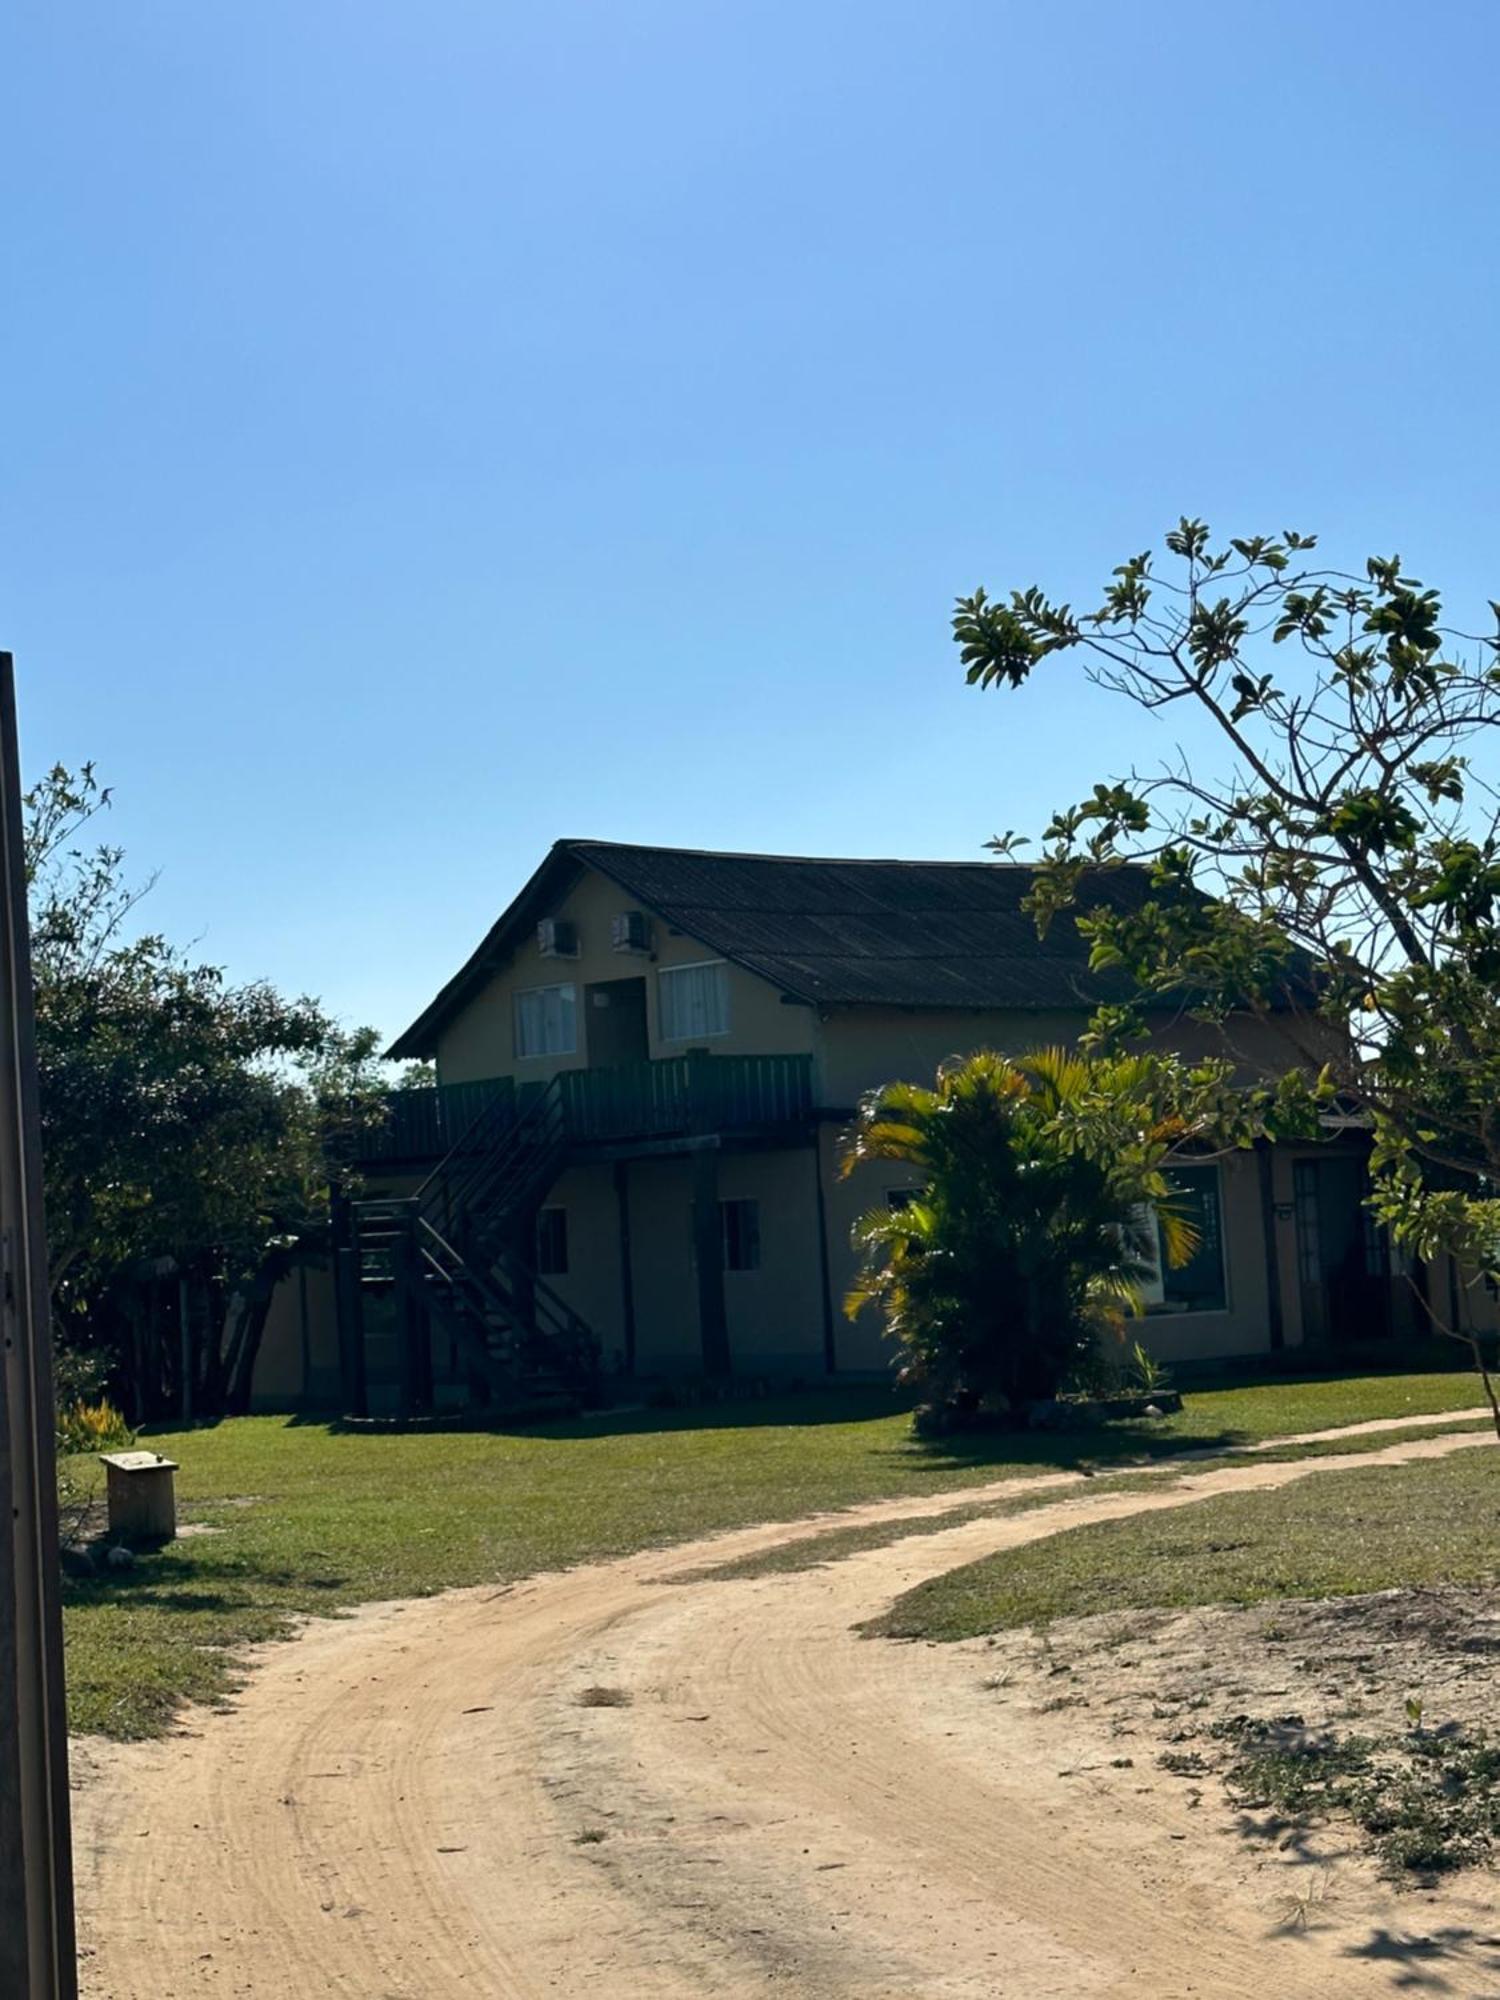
column 694, row 1001
column 546, row 1021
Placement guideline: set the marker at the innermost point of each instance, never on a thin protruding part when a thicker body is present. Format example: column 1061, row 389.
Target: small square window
column 740, row 1223
column 552, row 1243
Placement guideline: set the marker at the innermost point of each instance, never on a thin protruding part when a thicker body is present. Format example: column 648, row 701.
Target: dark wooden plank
column 37, row 1951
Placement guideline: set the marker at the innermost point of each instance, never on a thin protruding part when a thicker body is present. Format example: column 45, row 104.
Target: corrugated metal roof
column 864, row 933
column 832, row 933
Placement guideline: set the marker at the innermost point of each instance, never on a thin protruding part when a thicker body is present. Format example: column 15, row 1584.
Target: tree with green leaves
column 1339, row 867
column 186, row 1121
column 1038, row 1179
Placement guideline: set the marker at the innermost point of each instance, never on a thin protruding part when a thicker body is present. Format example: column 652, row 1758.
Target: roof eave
column 420, row 1039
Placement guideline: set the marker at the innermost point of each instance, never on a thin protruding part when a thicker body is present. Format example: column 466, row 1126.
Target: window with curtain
column 546, row 1021
column 694, row 1001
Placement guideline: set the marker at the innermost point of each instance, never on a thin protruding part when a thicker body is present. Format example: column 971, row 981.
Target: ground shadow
column 775, row 1409
column 1095, row 1446
column 1419, row 1961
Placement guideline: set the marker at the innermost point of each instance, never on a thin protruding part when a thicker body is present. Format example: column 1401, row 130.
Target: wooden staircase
column 458, row 1255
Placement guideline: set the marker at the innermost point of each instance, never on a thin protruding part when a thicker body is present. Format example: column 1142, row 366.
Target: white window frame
column 568, row 986
column 664, row 975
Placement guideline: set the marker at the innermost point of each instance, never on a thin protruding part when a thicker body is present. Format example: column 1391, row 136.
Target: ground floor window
column 740, row 1224
column 552, row 1243
column 1199, row 1285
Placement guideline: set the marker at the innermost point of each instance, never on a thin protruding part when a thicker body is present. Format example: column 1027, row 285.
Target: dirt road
column 607, row 1783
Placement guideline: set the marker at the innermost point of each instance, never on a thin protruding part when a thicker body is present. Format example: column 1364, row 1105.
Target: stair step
column 479, row 1203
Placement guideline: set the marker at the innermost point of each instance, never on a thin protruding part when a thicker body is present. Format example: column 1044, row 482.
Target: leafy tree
column 1342, row 869
column 184, row 1119
column 1027, row 1240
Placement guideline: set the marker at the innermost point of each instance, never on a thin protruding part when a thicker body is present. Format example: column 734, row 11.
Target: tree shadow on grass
column 784, row 1409
column 172, row 1579
column 1096, row 1446
column 1091, row 1448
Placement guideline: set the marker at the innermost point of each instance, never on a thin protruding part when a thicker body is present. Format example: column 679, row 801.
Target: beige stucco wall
column 860, row 1048
column 664, row 1285
column 479, row 1041
column 591, row 1284
column 299, row 1351
column 774, row 1313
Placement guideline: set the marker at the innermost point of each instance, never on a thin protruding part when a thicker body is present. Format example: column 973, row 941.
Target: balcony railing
column 673, row 1097
column 427, row 1124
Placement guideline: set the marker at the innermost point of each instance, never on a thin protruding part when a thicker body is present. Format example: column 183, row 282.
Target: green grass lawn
column 1329, row 1535
column 313, row 1519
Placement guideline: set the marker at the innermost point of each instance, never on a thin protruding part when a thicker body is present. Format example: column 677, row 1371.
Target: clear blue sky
column 431, row 429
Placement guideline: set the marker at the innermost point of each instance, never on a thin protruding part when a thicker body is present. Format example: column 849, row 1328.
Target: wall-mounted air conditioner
column 630, row 931
column 557, row 938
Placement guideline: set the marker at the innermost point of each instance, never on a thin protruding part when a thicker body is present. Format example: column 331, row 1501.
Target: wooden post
column 37, row 1952
column 627, row 1280
column 1275, row 1327
column 825, row 1277
column 305, row 1330
column 185, row 1350
column 408, row 1385
column 420, row 1325
column 349, row 1299
column 708, row 1253
column 700, row 1071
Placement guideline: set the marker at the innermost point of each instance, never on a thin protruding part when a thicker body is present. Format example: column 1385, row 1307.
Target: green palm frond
column 1049, row 1199
column 892, row 1124
column 1180, row 1238
column 886, row 1139
column 1118, row 1294
column 1062, row 1076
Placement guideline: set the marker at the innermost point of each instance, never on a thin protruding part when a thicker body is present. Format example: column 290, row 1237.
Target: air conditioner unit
column 557, row 938
column 630, row 931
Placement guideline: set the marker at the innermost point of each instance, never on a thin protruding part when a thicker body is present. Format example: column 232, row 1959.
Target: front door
column 615, row 1010
column 1342, row 1257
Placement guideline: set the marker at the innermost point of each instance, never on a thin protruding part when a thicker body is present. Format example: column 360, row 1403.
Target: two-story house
column 644, row 1071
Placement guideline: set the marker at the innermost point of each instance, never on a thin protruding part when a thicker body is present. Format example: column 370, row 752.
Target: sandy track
column 412, row 1803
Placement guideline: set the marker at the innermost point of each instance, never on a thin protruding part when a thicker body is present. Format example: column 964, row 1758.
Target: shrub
column 91, row 1427
column 1044, row 1180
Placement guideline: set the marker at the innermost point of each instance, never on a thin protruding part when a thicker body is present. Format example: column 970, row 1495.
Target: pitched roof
column 830, row 933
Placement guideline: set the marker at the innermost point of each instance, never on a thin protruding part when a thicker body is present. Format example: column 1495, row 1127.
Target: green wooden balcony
column 674, row 1097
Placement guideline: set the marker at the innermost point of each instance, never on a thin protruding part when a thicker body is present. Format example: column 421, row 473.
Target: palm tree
column 1043, row 1177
